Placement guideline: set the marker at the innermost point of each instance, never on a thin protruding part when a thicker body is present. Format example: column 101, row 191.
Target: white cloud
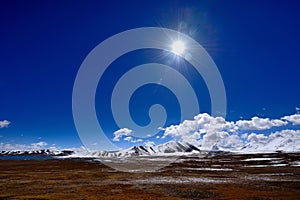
column 128, row 139
column 126, row 134
column 53, row 148
column 187, row 127
column 137, row 140
column 213, row 128
column 23, row 147
column 213, row 138
column 253, row 137
column 257, row 123
column 149, row 143
column 191, row 138
column 4, row 123
column 218, row 133
column 244, row 136
column 121, row 132
column 285, row 134
column 295, row 119
column 283, row 140
column 39, row 145
column 131, row 139
column 209, row 132
column 232, row 142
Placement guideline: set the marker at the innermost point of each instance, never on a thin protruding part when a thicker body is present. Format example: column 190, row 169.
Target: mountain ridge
column 41, row 152
column 169, row 148
column 166, row 148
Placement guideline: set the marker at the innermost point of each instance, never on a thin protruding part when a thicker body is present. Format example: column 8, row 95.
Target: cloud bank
column 23, row 147
column 216, row 133
column 257, row 123
column 295, row 119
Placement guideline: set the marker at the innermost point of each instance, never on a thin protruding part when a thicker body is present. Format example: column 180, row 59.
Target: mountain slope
column 276, row 144
column 171, row 147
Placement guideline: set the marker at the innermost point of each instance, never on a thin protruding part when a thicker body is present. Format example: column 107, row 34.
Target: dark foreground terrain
column 210, row 176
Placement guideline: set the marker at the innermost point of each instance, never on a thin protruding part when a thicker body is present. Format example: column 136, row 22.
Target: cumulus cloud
column 4, row 123
column 286, row 134
column 39, row 144
column 257, row 123
column 149, row 143
column 23, row 147
column 283, row 140
column 253, row 137
column 126, row 134
column 122, row 132
column 217, row 132
column 213, row 129
column 212, row 132
column 128, row 138
column 131, row 139
column 295, row 119
column 200, row 124
column 213, row 138
column 244, row 136
column 232, row 142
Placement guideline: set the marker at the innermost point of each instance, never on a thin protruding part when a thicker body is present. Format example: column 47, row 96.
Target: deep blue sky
column 255, row 45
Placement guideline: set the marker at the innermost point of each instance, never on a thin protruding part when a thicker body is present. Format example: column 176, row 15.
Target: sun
column 178, row 47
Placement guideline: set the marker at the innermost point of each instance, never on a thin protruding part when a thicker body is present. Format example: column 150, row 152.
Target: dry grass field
column 215, row 176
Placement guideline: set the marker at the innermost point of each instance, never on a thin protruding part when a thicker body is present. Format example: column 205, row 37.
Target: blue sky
column 254, row 44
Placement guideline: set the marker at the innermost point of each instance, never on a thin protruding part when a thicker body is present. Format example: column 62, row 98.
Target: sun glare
column 178, row 47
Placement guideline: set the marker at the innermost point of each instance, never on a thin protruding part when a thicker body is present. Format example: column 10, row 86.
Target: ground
column 213, row 176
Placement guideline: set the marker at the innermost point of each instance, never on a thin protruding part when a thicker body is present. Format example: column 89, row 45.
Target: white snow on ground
column 277, row 161
column 208, row 169
column 296, row 164
column 260, row 159
column 278, row 174
column 274, row 165
column 81, row 152
column 167, row 180
column 278, row 165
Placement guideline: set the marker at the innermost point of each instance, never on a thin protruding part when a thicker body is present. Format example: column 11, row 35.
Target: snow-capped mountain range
column 171, row 148
column 175, row 147
column 42, row 152
column 276, row 144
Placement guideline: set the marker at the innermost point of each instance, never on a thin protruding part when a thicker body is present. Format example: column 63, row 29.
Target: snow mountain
column 172, row 147
column 42, row 152
column 273, row 145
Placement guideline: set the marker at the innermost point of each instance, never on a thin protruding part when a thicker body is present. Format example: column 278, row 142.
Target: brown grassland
column 215, row 177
